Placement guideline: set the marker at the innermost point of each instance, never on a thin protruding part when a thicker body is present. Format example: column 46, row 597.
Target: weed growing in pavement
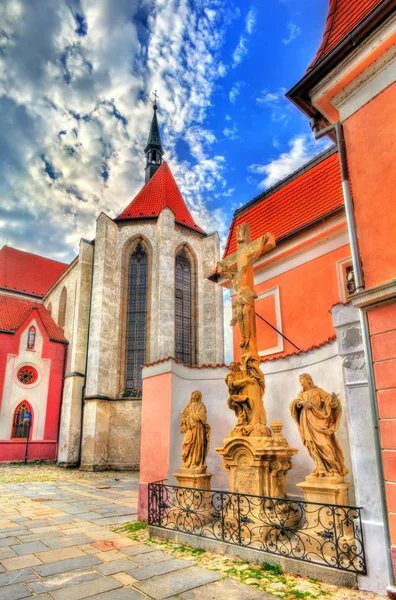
column 273, row 568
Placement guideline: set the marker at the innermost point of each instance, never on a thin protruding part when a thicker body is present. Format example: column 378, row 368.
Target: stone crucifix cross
column 239, row 269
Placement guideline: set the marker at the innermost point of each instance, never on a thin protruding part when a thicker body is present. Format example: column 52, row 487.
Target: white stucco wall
column 15, row 392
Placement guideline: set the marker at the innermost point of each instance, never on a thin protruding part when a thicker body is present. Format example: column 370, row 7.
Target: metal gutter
column 359, row 280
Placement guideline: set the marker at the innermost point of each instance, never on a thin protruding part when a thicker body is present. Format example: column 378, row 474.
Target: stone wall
column 105, row 380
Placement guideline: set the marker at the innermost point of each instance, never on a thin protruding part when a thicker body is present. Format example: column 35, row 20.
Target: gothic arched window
column 31, row 340
column 62, row 308
column 136, row 321
column 184, row 310
column 21, row 425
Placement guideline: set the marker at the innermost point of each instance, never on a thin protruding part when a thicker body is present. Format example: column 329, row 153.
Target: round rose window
column 27, row 375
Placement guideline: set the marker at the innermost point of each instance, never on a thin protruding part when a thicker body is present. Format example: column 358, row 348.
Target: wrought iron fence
column 325, row 534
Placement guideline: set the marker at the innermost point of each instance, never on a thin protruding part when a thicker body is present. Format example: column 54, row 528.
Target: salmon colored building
column 32, row 358
column 306, row 274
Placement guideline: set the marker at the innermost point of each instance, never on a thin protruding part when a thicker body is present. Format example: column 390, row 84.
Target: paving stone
column 8, row 541
column 52, row 556
column 15, row 592
column 124, row 594
column 29, row 548
column 72, row 564
column 151, row 558
column 6, row 533
column 125, row 578
column 37, row 537
column 20, row 562
column 66, row 541
column 226, row 588
column 110, row 555
column 114, row 520
column 48, row 584
column 177, row 582
column 134, row 550
column 160, row 568
column 115, row 566
column 7, row 552
column 86, row 590
column 105, row 545
column 24, row 576
column 45, row 529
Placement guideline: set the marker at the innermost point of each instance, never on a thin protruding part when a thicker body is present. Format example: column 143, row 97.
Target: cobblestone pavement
column 55, row 543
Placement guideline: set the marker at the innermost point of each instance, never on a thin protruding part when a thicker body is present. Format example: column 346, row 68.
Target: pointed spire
column 153, row 150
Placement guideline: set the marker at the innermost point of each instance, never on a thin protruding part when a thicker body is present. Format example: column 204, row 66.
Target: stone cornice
column 375, row 295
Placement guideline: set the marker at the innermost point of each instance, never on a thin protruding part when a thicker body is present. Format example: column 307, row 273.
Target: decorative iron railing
column 325, row 534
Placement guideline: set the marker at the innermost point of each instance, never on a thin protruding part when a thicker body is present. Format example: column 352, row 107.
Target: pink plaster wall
column 156, row 431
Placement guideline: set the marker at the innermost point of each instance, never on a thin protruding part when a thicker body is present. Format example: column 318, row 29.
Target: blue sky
column 75, row 110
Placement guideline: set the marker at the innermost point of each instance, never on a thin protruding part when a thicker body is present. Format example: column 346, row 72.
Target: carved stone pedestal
column 325, row 490
column 197, row 479
column 329, row 490
column 192, row 508
column 258, row 465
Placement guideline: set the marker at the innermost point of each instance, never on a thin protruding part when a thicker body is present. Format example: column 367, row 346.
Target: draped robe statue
column 196, row 431
column 317, row 414
column 246, row 390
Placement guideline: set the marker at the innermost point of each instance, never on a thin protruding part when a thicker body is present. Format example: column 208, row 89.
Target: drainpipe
column 359, row 281
column 86, row 360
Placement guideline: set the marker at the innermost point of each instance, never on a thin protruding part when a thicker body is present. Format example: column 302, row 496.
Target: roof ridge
column 7, row 247
column 280, row 184
column 159, row 192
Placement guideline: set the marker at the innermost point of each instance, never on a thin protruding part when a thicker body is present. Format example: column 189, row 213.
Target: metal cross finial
column 155, row 96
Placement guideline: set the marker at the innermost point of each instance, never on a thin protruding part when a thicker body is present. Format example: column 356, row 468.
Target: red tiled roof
column 14, row 311
column 303, row 197
column 160, row 191
column 342, row 18
column 28, row 273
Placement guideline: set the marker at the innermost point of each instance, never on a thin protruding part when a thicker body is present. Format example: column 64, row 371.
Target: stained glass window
column 136, row 322
column 21, row 427
column 184, row 301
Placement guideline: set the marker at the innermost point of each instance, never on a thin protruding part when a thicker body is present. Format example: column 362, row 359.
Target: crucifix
column 239, row 269
column 155, row 97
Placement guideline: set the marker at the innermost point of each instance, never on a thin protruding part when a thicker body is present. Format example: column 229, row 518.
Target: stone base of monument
column 193, row 478
column 325, row 490
column 329, row 491
column 258, row 465
column 192, row 508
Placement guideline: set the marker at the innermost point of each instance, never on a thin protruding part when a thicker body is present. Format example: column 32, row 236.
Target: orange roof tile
column 342, row 18
column 14, row 311
column 28, row 273
column 308, row 194
column 160, row 191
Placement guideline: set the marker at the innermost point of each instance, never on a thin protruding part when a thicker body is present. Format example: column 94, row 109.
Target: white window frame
column 279, row 347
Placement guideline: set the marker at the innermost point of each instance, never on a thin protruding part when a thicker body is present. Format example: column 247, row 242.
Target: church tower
column 153, row 150
column 143, row 296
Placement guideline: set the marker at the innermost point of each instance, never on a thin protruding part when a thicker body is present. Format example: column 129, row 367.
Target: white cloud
column 277, row 103
column 301, row 149
column 251, row 18
column 294, row 31
column 235, row 91
column 232, row 132
column 75, row 78
column 241, row 49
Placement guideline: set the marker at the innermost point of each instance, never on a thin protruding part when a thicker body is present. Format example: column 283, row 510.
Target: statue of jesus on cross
column 239, row 269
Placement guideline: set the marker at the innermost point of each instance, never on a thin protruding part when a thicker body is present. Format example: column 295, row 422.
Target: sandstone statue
column 239, row 269
column 317, row 414
column 196, row 431
column 246, row 391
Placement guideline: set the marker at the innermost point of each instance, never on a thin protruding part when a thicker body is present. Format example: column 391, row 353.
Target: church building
column 138, row 293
